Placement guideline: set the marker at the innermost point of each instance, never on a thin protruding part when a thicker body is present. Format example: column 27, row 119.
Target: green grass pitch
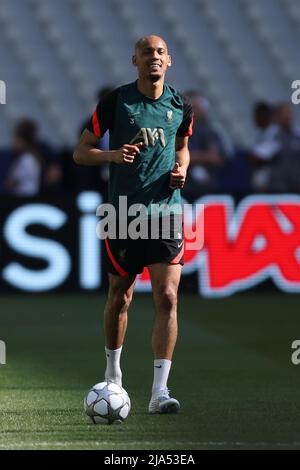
column 232, row 373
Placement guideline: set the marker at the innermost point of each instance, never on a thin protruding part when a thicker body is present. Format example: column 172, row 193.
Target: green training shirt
column 131, row 117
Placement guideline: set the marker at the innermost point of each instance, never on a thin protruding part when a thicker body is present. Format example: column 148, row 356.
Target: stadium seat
column 65, row 51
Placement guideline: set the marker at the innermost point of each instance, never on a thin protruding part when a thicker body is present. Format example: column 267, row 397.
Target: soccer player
column 149, row 124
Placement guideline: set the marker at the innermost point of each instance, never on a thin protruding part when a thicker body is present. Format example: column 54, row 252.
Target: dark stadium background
column 232, row 370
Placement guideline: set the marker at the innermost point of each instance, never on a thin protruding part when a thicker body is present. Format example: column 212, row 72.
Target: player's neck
column 150, row 89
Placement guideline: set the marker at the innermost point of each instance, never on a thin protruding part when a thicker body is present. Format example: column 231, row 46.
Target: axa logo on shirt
column 150, row 136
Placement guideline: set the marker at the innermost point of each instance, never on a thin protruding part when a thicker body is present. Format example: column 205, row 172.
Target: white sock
column 161, row 373
column 113, row 370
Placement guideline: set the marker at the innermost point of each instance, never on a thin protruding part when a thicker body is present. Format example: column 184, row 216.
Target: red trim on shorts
column 114, row 261
column 96, row 125
column 178, row 257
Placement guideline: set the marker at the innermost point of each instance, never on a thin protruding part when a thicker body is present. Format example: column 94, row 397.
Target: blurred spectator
column 285, row 169
column 24, row 177
column 34, row 158
column 52, row 181
column 265, row 147
column 278, row 149
column 209, row 148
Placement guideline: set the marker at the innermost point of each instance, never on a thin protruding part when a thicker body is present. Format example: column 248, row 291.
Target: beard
column 155, row 77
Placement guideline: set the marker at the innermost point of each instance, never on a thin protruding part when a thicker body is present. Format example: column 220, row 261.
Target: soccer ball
column 107, row 403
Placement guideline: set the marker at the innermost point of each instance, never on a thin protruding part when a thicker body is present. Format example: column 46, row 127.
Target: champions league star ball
column 107, row 403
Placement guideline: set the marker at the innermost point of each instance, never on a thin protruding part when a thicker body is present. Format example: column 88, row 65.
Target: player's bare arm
column 182, row 161
column 87, row 152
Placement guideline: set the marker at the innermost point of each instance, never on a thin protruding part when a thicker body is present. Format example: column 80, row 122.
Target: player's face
column 152, row 60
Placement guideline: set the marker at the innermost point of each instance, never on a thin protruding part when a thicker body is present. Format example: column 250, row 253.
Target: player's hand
column 127, row 153
column 177, row 177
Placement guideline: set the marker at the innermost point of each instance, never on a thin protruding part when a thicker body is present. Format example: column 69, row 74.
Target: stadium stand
column 56, row 54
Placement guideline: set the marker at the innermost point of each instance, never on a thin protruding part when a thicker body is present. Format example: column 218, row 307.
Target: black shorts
column 128, row 256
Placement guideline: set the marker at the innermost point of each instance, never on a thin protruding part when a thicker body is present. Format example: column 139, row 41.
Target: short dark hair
column 262, row 107
column 27, row 130
column 141, row 41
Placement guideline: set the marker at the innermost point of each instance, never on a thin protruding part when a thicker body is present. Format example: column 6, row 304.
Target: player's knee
column 121, row 301
column 167, row 299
